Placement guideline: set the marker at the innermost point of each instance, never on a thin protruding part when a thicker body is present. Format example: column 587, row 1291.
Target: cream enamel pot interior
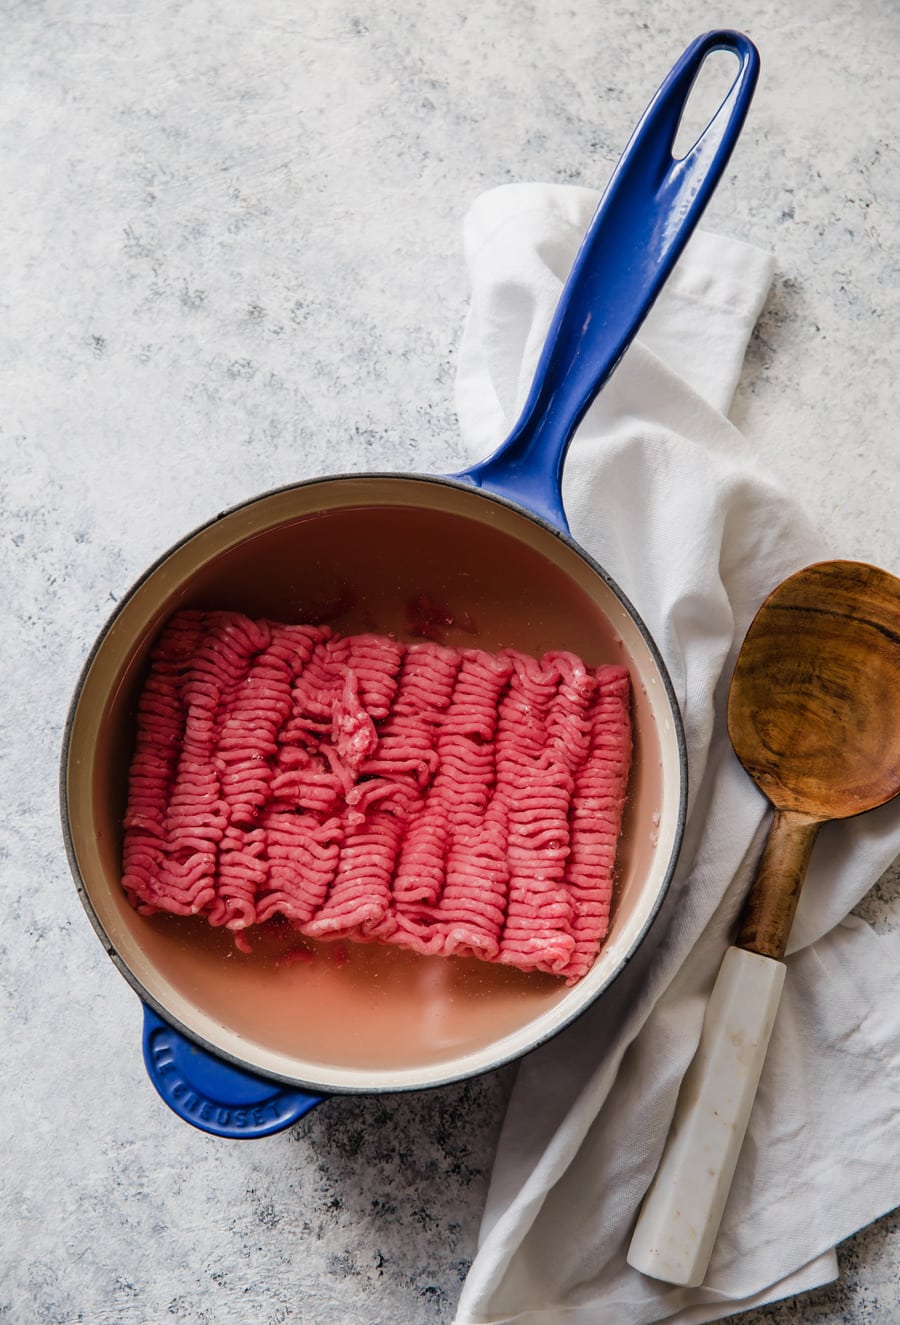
column 243, row 1045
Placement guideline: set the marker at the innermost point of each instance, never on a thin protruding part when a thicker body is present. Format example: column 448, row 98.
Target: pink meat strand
column 450, row 801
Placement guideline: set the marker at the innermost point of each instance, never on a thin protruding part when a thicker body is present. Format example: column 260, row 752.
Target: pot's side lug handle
column 650, row 208
column 211, row 1094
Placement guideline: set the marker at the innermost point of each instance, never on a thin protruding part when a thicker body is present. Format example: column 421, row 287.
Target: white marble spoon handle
column 680, row 1217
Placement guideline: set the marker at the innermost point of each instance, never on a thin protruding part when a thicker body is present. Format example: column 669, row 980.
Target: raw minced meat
column 449, row 800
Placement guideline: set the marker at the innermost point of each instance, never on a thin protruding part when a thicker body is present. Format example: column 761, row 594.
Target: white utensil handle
column 680, row 1217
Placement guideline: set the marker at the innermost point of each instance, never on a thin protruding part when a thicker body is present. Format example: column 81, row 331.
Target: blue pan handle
column 646, row 216
column 213, row 1095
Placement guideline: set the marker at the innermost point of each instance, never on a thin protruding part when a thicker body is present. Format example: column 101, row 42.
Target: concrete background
column 231, row 253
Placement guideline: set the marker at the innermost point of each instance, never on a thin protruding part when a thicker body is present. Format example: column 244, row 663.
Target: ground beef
column 448, row 800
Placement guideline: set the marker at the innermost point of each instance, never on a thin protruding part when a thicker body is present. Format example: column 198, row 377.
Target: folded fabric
column 668, row 497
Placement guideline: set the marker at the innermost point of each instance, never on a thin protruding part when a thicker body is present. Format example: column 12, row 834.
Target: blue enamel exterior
column 649, row 210
column 213, row 1095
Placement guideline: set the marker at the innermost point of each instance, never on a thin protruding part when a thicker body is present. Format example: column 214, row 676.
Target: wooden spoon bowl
column 814, row 717
column 814, row 705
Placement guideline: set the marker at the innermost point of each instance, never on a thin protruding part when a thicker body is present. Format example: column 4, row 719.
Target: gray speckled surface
column 232, row 259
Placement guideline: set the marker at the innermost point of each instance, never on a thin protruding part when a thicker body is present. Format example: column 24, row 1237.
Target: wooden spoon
column 814, row 717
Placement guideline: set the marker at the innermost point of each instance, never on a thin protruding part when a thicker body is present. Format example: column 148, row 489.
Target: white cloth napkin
column 666, row 494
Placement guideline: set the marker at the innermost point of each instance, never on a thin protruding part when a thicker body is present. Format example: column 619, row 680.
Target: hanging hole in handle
column 715, row 79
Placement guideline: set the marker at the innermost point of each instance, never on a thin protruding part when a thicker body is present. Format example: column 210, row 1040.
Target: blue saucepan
column 243, row 1046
